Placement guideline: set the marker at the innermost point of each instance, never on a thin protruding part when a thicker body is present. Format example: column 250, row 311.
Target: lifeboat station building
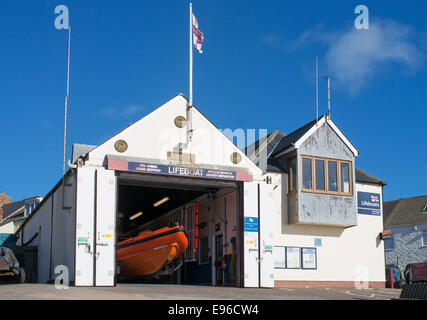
column 289, row 210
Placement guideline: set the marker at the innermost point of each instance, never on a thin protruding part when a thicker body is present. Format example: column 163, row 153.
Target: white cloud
column 353, row 57
column 131, row 110
column 113, row 112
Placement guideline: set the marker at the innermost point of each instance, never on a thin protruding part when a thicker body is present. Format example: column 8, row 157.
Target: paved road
column 175, row 292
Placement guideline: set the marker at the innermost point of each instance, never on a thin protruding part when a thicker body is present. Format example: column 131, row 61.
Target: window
column 425, row 238
column 345, row 177
column 203, row 250
column 28, row 209
column 329, row 176
column 332, row 176
column 292, row 185
column 320, row 175
column 306, row 174
column 389, row 243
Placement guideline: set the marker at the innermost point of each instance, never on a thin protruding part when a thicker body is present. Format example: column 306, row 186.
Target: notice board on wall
column 279, row 256
column 293, row 259
column 309, row 258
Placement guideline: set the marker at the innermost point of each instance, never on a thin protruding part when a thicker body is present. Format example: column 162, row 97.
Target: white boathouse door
column 105, row 228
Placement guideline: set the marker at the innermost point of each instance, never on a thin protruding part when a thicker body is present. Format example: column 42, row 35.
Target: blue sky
column 257, row 71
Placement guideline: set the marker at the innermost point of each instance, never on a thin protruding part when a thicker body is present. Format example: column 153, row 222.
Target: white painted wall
column 10, row 227
column 62, row 241
column 154, row 135
column 64, row 229
column 343, row 251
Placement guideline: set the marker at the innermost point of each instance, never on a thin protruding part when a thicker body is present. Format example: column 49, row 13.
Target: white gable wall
column 156, row 134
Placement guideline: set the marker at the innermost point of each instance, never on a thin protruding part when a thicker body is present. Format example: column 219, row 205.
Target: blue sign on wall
column 369, row 203
column 251, row 224
column 317, row 242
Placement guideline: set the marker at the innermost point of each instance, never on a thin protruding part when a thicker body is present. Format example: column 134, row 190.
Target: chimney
column 4, row 199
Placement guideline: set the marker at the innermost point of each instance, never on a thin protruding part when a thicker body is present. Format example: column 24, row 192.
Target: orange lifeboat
column 151, row 251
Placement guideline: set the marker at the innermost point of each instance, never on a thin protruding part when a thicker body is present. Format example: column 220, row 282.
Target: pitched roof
column 294, row 136
column 256, row 154
column 277, row 142
column 362, row 176
column 179, row 102
column 405, row 211
column 10, row 208
column 80, row 150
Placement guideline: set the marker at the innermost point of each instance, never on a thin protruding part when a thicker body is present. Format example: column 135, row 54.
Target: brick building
column 4, row 199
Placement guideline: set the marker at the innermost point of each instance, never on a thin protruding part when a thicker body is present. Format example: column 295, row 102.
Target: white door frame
column 250, row 235
column 105, row 228
column 85, row 215
column 266, row 236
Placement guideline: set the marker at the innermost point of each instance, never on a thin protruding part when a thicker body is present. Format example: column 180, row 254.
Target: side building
column 406, row 220
column 327, row 214
column 15, row 213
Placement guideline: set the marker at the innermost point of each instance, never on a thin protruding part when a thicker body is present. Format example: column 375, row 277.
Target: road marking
column 382, row 296
column 356, row 295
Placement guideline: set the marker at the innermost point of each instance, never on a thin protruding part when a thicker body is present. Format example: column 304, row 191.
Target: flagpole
column 191, row 55
column 190, row 104
column 66, row 99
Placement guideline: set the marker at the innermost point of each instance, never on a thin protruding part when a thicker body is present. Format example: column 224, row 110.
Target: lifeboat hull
column 150, row 251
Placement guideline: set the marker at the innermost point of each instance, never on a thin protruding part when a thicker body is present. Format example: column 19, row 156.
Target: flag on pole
column 197, row 35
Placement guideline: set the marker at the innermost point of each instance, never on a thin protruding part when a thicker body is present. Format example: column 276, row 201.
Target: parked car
column 9, row 266
column 416, row 272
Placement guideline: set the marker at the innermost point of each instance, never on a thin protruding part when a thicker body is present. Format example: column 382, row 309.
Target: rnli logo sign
column 251, row 224
column 369, row 203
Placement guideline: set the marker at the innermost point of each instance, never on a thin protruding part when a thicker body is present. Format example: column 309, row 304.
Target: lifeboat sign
column 181, row 171
column 173, row 170
column 369, row 203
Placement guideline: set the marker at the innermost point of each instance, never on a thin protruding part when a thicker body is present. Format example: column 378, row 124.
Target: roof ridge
column 264, row 144
column 407, row 198
column 270, row 136
column 277, row 132
column 281, row 133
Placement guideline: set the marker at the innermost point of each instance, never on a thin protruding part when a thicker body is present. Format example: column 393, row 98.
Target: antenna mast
column 329, row 96
column 317, row 89
column 66, row 99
